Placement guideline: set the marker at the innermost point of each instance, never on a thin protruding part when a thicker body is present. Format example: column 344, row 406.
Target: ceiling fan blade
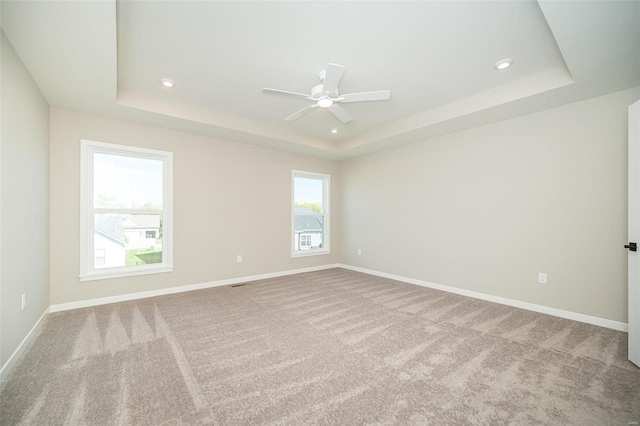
column 300, row 113
column 381, row 95
column 284, row 92
column 332, row 78
column 339, row 112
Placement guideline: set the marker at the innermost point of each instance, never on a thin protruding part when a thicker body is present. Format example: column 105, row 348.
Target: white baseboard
column 4, row 371
column 172, row 290
column 602, row 322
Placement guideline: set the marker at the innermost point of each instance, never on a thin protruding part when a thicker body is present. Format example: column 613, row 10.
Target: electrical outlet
column 542, row 278
column 359, row 252
column 239, row 258
column 24, row 300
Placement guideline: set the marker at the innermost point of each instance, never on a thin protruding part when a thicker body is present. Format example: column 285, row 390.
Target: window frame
column 88, row 272
column 326, row 186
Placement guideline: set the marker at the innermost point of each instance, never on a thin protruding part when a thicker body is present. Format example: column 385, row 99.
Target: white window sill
column 307, row 253
column 126, row 273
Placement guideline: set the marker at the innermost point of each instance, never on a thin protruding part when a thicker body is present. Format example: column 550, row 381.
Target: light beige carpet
column 331, row 347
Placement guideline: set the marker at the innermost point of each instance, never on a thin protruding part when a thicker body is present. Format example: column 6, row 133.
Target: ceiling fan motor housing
column 317, row 92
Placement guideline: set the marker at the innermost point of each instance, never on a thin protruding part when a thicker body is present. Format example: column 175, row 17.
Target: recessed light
column 334, row 131
column 325, row 103
column 503, row 64
column 167, row 82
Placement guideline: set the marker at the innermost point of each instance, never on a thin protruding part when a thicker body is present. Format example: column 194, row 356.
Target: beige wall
column 24, row 201
column 229, row 199
column 488, row 208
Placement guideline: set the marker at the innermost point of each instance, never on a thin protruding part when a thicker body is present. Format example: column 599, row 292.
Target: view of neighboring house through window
column 100, row 257
column 305, row 240
column 310, row 213
column 126, row 211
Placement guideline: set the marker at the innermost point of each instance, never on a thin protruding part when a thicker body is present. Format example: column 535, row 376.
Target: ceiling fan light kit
column 326, row 95
column 325, row 102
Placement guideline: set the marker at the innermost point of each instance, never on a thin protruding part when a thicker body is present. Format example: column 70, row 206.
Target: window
column 305, row 241
column 126, row 205
column 310, row 213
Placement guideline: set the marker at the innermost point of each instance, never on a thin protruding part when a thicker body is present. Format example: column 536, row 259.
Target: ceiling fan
column 326, row 95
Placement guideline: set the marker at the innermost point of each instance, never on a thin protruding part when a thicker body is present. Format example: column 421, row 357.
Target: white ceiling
column 436, row 57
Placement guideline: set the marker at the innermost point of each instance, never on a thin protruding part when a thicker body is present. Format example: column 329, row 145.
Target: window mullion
column 105, row 210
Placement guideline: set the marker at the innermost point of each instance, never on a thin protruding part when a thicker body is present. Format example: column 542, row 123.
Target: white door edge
column 634, row 233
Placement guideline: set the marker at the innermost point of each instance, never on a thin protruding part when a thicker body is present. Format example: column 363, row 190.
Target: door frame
column 634, row 233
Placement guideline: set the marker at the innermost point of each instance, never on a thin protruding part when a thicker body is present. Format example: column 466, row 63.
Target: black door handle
column 632, row 247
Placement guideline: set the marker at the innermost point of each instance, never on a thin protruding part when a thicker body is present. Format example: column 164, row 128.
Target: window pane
column 307, row 195
column 126, row 182
column 126, row 239
column 309, row 232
